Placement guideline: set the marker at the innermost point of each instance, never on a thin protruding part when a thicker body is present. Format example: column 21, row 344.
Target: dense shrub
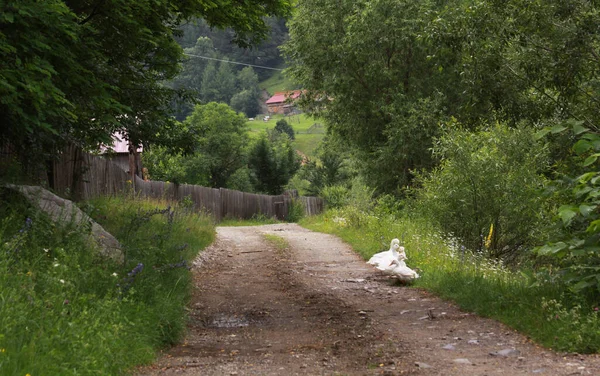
column 296, row 211
column 486, row 190
column 336, row 196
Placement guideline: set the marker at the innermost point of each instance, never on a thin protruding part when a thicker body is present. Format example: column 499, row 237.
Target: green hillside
column 309, row 132
column 277, row 82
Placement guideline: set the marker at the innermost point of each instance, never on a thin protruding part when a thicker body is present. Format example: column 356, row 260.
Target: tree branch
column 94, row 12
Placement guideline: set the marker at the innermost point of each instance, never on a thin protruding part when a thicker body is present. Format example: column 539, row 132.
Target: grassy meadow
column 64, row 310
column 308, row 135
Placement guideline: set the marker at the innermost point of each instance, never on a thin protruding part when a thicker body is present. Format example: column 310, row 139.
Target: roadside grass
column 537, row 307
column 308, row 136
column 257, row 220
column 65, row 310
column 277, row 241
column 277, row 82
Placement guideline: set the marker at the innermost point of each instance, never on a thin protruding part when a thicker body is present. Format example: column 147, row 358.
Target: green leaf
column 567, row 212
column 551, row 249
column 590, row 160
column 594, row 227
column 583, row 284
column 582, row 146
column 557, row 128
column 541, row 134
column 579, row 129
column 585, row 210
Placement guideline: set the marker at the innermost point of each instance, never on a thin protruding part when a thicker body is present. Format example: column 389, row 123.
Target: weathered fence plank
column 83, row 176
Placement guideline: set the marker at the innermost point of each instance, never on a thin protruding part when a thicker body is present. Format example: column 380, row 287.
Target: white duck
column 399, row 269
column 383, row 259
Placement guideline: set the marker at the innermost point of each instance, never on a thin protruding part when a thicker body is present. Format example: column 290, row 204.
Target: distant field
column 277, row 82
column 305, row 142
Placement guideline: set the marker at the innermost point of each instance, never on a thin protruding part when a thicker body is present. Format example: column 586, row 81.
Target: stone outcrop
column 64, row 211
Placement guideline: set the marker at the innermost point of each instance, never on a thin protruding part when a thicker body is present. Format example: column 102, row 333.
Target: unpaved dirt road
column 316, row 308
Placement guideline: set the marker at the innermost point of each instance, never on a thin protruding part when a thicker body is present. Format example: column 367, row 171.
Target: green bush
column 486, row 191
column 295, row 211
column 575, row 248
column 336, row 196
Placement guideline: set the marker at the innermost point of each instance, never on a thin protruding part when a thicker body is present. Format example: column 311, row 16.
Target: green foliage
column 265, row 53
column 67, row 311
column 221, row 136
column 383, row 74
column 489, row 178
column 329, row 167
column 77, row 72
column 282, row 126
column 336, row 196
column 370, row 57
column 272, row 161
column 576, row 247
column 295, row 211
column 216, row 138
column 246, row 101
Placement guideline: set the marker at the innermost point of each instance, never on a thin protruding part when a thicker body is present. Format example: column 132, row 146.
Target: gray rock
column 61, row 210
column 473, row 342
column 462, row 361
column 422, row 365
column 506, row 353
column 449, row 346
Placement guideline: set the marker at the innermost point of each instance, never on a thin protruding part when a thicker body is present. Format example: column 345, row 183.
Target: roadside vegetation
column 471, row 134
column 533, row 301
column 65, row 310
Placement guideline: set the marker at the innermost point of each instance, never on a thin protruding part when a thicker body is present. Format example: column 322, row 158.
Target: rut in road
column 316, row 308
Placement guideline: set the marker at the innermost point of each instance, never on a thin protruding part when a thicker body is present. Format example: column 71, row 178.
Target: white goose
column 399, row 269
column 383, row 259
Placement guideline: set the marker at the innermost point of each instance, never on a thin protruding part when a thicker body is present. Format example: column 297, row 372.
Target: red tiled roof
column 282, row 96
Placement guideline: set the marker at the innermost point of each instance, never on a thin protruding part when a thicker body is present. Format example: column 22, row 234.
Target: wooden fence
column 83, row 176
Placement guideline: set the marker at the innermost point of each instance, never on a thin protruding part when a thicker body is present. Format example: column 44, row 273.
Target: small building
column 118, row 153
column 283, row 102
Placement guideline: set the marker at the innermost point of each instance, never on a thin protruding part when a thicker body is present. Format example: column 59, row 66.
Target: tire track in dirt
column 318, row 309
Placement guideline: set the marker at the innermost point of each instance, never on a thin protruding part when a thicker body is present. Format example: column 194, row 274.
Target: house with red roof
column 282, row 102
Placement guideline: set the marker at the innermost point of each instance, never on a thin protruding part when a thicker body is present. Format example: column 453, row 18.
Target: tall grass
column 65, row 310
column 530, row 303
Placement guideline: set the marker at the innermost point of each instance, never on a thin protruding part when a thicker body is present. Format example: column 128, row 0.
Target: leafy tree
column 365, row 65
column 329, row 168
column 215, row 149
column 246, row 101
column 221, row 136
column 384, row 73
column 78, row 71
column 283, row 127
column 272, row 161
column 247, row 80
column 486, row 191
